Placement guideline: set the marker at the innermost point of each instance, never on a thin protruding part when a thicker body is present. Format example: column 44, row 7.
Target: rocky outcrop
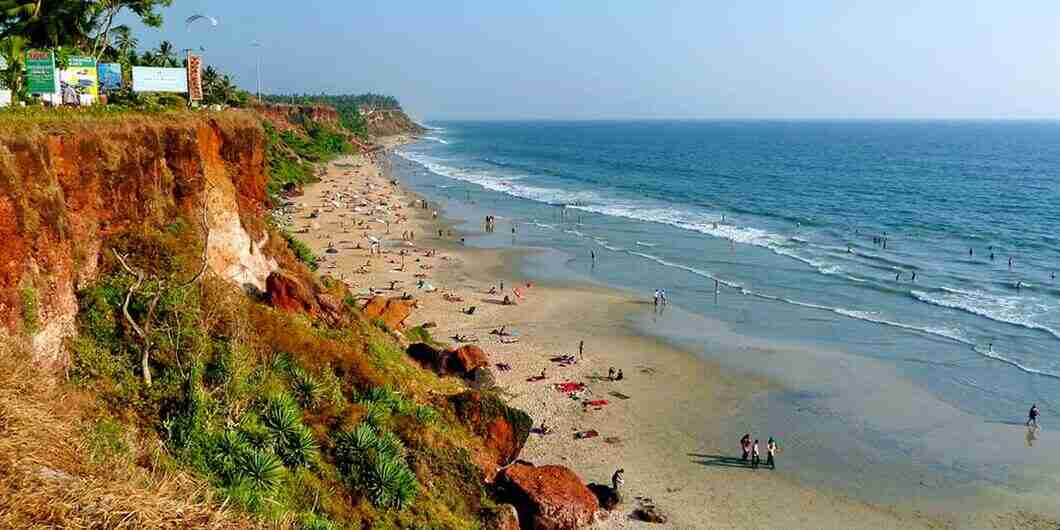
column 67, row 188
column 291, row 117
column 548, row 497
column 504, row 429
column 388, row 122
column 467, row 361
column 392, row 312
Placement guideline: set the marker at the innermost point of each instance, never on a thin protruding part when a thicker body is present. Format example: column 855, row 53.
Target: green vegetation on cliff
column 263, row 416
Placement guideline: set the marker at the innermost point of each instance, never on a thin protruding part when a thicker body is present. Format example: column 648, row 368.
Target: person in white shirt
column 756, row 457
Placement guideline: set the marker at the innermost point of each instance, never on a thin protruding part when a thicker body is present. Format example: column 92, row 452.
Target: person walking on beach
column 756, row 457
column 581, row 349
column 656, row 298
column 771, row 450
column 745, row 447
column 1032, row 416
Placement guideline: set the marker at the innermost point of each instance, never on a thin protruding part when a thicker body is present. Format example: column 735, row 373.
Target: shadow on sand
column 718, row 460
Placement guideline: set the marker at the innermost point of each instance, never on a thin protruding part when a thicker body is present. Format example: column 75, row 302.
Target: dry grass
column 50, row 478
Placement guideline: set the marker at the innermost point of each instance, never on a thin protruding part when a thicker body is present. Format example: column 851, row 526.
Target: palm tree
column 164, row 55
column 48, row 24
column 124, row 42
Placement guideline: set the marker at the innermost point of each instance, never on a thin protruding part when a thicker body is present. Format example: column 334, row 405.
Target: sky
column 597, row 59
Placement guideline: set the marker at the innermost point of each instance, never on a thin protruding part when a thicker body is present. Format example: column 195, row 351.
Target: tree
column 164, row 55
column 48, row 23
column 124, row 42
column 12, row 49
column 107, row 10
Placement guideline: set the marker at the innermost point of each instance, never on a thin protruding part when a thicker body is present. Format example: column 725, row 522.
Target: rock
column 285, row 291
column 466, row 359
column 548, row 497
column 608, row 497
column 392, row 312
column 428, row 356
column 649, row 513
column 504, row 517
column 482, row 378
column 504, row 429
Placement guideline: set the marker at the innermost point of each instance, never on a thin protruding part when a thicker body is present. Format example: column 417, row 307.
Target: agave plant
column 300, row 449
column 261, row 470
column 389, row 444
column 390, row 483
column 306, row 388
column 282, row 417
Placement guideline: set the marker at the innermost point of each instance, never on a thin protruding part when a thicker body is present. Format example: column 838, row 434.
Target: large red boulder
column 503, row 429
column 286, row 291
column 392, row 312
column 466, row 359
column 548, row 497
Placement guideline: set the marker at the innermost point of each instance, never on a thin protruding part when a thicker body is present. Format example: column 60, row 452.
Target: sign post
column 194, row 77
column 40, row 72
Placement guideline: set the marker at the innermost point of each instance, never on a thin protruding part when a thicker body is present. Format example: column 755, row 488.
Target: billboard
column 109, row 77
column 151, row 79
column 194, row 77
column 81, row 75
column 40, row 72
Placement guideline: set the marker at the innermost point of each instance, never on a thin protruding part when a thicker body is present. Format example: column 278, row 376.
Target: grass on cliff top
column 294, row 422
column 69, row 119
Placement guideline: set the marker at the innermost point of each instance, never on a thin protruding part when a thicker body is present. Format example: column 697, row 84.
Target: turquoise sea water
column 788, row 218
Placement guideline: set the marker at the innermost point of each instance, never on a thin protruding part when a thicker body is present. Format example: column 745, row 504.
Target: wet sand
column 669, row 423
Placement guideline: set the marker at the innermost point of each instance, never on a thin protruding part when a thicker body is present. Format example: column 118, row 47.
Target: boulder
column 608, row 497
column 503, row 429
column 466, row 359
column 504, row 517
column 649, row 513
column 428, row 356
column 392, row 312
column 548, row 497
column 285, row 291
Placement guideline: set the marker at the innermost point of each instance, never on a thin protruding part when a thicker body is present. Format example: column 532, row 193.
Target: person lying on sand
column 464, row 338
column 502, row 331
column 509, row 340
column 469, row 311
column 449, row 297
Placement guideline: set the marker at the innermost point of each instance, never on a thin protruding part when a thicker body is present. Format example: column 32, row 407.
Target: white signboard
column 5, row 94
column 150, row 79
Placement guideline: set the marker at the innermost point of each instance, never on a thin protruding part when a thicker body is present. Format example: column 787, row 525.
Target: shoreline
column 667, row 435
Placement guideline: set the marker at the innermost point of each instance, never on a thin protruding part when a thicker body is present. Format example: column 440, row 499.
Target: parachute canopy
column 196, row 18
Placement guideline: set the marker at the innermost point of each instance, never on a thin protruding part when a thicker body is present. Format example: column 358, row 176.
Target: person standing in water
column 898, row 276
column 771, row 451
column 970, row 253
column 1032, row 415
column 914, row 276
column 1010, row 263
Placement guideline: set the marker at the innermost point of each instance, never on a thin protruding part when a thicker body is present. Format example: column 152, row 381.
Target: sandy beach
column 663, row 423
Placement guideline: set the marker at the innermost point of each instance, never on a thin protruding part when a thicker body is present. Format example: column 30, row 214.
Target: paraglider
column 195, row 18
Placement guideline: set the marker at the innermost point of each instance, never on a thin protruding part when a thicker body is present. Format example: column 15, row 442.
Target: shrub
column 261, row 470
column 373, row 461
column 301, row 251
column 306, row 388
column 30, row 309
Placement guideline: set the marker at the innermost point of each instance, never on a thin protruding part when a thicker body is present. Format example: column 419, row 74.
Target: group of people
column 491, row 223
column 752, row 454
column 612, row 375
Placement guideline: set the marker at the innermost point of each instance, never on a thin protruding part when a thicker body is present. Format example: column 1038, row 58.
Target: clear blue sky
column 588, row 59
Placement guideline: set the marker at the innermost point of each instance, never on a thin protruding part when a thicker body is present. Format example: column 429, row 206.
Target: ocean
column 805, row 233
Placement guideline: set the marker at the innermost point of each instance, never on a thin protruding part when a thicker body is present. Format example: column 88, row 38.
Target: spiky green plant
column 306, row 388
column 282, row 417
column 261, row 470
column 301, row 449
column 390, row 483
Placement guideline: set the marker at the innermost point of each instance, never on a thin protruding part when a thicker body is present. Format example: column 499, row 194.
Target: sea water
column 807, row 233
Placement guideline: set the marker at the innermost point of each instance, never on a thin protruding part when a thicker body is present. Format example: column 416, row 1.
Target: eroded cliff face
column 64, row 190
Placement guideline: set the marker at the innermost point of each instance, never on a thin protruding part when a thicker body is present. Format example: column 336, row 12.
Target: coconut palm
column 124, row 41
column 164, row 55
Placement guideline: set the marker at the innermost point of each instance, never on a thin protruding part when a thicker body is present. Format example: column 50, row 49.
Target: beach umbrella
column 196, row 18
